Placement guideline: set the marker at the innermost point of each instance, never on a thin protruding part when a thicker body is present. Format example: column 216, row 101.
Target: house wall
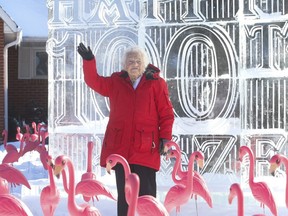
column 1, row 75
column 21, row 95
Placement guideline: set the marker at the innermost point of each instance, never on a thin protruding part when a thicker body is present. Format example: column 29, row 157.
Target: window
column 33, row 61
column 40, row 63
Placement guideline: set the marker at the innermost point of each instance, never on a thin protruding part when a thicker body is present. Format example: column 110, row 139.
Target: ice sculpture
column 225, row 63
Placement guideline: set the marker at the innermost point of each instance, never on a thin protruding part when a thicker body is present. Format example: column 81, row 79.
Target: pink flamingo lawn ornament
column 10, row 205
column 260, row 190
column 9, row 174
column 43, row 132
column 31, row 143
column 92, row 187
column 146, row 205
column 178, row 171
column 14, row 155
column 131, row 192
column 35, row 136
column 64, row 180
column 4, row 187
column 50, row 196
column 74, row 209
column 19, row 135
column 13, row 175
column 89, row 174
column 41, row 149
column 199, row 185
column 8, row 147
column 170, row 145
column 179, row 194
column 89, row 187
column 275, row 162
column 30, row 146
column 235, row 191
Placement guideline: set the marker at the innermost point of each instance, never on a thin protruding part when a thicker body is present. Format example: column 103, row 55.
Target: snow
column 30, row 15
column 218, row 185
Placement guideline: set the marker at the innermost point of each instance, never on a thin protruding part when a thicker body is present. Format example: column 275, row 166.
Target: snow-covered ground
column 31, row 166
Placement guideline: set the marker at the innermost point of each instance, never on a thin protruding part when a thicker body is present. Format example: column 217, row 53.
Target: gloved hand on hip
column 85, row 52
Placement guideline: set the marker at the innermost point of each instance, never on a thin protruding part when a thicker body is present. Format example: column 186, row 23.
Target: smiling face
column 134, row 66
column 134, row 62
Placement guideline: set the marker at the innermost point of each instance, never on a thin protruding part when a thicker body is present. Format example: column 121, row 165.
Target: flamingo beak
column 57, row 170
column 108, row 168
column 200, row 163
column 230, row 198
column 272, row 168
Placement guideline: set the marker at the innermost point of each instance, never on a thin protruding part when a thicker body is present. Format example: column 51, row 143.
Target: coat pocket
column 113, row 136
column 144, row 138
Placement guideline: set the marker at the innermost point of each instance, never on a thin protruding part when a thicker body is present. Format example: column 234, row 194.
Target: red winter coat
column 138, row 117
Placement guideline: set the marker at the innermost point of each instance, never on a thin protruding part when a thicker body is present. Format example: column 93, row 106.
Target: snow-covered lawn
column 31, row 166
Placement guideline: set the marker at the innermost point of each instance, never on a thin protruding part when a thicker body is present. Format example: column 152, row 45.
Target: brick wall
column 1, row 76
column 22, row 92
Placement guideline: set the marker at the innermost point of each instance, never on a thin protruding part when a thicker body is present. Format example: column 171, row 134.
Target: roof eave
column 9, row 25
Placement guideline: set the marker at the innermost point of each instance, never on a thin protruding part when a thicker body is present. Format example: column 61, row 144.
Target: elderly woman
column 141, row 117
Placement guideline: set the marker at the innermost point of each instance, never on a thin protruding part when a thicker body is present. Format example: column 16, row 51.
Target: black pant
column 147, row 178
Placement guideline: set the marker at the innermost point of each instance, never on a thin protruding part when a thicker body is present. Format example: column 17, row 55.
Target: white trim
column 8, row 22
column 6, row 47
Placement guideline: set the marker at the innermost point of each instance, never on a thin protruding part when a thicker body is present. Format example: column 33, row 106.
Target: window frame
column 27, row 61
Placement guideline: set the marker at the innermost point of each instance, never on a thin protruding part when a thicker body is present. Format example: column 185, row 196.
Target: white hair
column 135, row 50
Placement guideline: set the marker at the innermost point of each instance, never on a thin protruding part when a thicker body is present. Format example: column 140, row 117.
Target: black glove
column 84, row 52
column 161, row 147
